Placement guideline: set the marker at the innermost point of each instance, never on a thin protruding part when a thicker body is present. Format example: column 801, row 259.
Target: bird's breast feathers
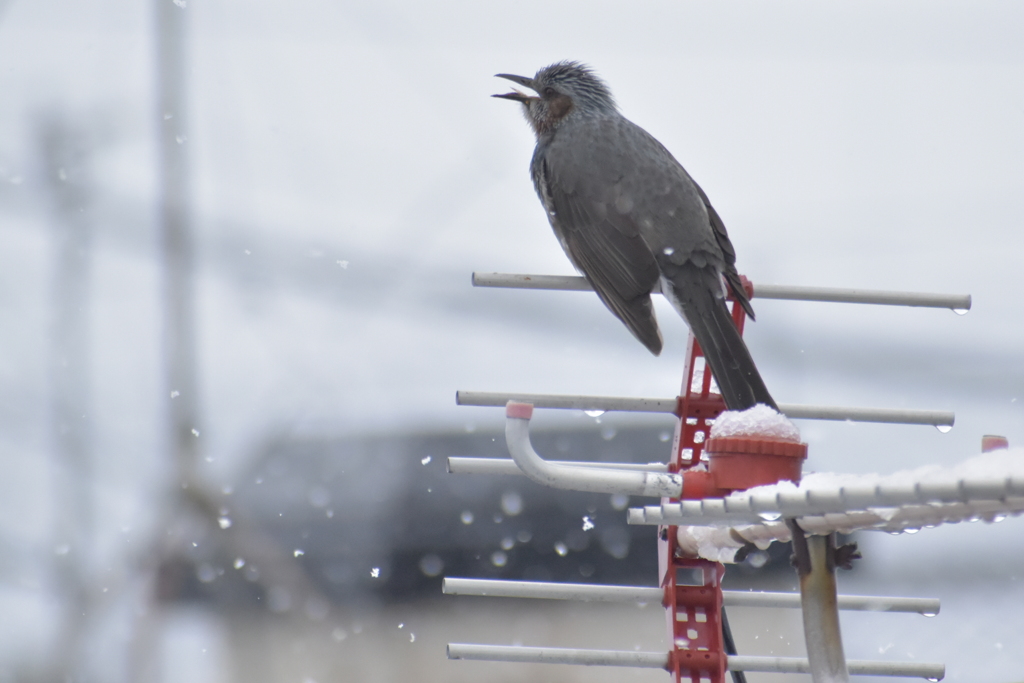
column 610, row 172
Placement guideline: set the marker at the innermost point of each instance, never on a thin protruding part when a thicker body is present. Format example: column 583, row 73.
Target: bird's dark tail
column 709, row 320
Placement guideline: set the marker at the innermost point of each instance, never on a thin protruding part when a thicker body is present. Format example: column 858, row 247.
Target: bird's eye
column 549, row 91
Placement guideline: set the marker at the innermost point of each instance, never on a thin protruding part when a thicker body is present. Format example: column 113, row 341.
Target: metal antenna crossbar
column 955, row 302
column 937, row 418
column 593, row 592
column 661, row 660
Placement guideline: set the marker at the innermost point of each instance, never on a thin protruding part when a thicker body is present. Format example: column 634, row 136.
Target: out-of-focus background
column 235, row 248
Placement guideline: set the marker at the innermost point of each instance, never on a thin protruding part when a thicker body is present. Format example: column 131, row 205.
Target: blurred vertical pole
column 176, row 238
column 278, row 567
column 178, row 319
column 66, row 168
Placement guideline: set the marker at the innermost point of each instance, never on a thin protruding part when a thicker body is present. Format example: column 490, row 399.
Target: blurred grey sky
column 350, row 171
column 875, row 145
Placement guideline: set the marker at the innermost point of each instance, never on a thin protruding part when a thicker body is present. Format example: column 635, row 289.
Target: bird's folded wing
column 614, row 258
column 732, row 276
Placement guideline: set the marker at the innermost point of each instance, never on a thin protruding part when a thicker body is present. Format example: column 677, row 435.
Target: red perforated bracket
column 696, row 404
column 693, row 587
column 695, row 620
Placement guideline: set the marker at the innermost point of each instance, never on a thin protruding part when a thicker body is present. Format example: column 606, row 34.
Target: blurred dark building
column 381, row 518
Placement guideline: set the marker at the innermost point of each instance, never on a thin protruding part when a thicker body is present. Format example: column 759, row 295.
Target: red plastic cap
column 752, row 445
column 523, row 411
column 991, row 442
column 698, row 485
column 742, row 462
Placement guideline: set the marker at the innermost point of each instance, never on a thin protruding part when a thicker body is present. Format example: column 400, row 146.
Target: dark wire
column 730, row 648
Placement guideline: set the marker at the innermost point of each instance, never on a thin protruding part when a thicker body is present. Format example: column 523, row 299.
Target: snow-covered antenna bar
column 989, row 486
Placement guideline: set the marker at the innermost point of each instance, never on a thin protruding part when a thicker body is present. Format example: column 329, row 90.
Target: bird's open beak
column 515, row 94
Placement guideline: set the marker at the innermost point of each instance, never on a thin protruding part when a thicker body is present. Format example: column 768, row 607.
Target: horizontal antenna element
column 938, row 418
column 956, row 302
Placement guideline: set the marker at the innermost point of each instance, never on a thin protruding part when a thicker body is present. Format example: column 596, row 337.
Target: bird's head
column 564, row 90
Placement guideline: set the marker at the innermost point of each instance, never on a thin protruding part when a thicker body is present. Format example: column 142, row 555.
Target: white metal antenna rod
column 956, row 302
column 558, row 655
column 467, row 465
column 584, row 592
column 939, row 418
column 590, row 592
column 659, row 660
column 595, row 479
column 569, row 401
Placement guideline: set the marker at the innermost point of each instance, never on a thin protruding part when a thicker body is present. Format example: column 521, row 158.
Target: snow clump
column 759, row 421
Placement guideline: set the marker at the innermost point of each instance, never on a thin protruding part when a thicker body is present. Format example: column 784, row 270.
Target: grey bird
column 629, row 216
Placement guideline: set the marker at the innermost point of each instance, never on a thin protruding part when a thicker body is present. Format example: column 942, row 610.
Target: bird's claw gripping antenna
column 715, row 502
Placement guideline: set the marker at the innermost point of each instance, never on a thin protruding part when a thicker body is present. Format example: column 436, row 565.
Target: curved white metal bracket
column 577, row 478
